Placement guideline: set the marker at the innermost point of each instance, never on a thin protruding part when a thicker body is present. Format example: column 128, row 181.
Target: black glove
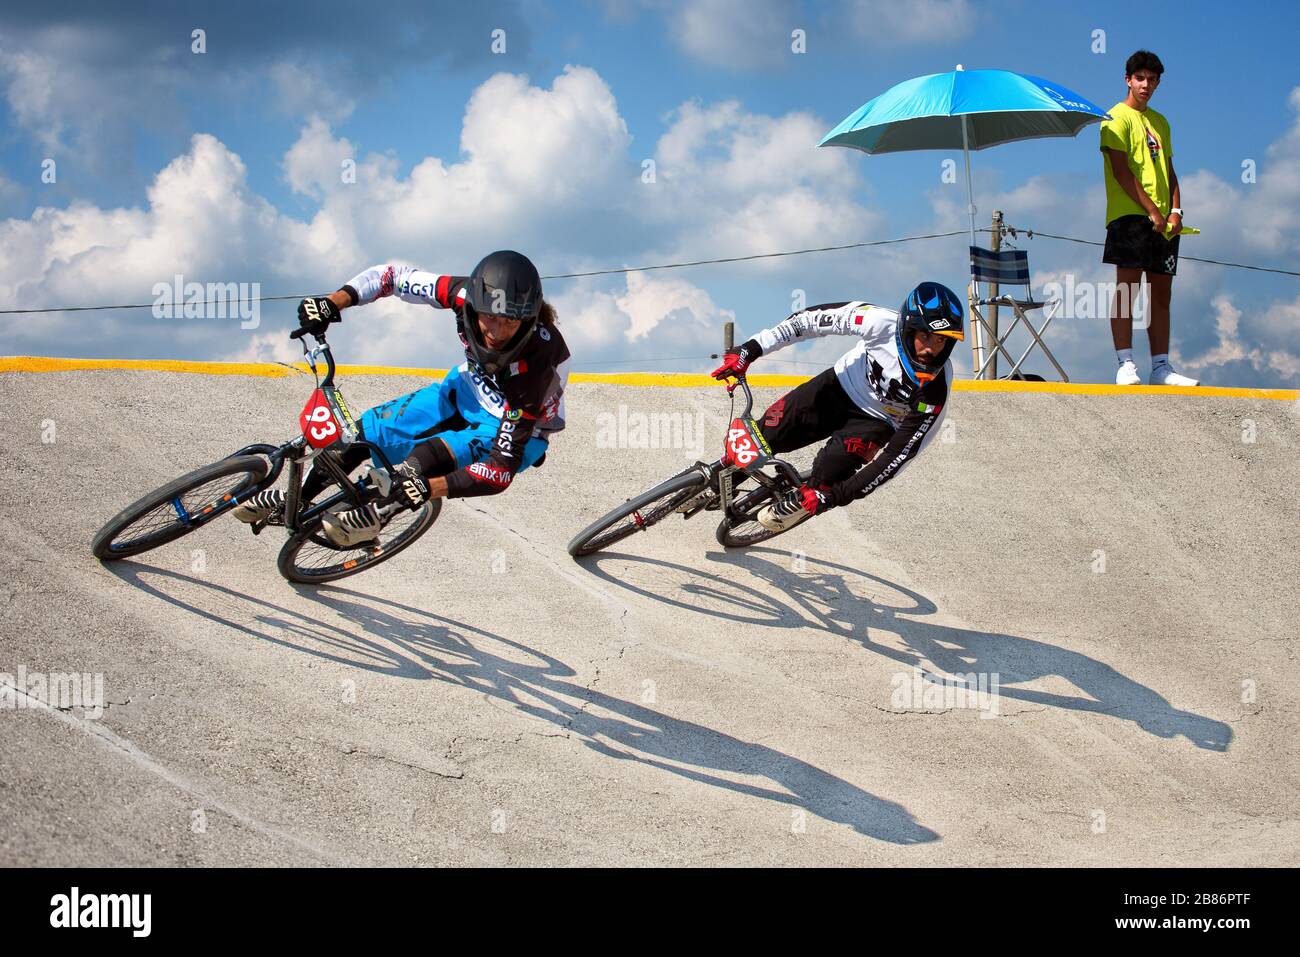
column 317, row 312
column 409, row 487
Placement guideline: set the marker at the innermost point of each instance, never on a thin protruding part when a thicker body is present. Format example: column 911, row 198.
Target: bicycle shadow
column 407, row 642
column 823, row 597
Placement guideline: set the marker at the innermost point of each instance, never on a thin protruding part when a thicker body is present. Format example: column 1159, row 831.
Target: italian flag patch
column 930, row 409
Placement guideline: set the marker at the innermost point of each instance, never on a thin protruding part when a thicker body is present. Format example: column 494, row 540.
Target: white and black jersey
column 878, row 382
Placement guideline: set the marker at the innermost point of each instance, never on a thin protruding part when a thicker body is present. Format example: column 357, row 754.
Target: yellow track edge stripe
column 660, row 379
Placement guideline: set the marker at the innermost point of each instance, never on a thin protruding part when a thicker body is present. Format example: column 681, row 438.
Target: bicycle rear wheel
column 309, row 558
column 638, row 514
column 179, row 507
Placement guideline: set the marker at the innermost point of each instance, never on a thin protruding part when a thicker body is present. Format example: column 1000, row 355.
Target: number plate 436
column 746, row 446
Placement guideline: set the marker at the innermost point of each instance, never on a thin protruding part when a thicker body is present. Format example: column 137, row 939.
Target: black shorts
column 1132, row 243
column 821, row 409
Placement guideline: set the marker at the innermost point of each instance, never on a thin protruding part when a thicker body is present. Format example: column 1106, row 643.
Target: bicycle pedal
column 705, row 501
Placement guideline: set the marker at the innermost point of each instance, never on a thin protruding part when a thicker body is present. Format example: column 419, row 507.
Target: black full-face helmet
column 505, row 283
column 935, row 308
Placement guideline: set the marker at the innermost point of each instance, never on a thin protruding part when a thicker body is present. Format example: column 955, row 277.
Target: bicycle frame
column 719, row 475
column 297, row 451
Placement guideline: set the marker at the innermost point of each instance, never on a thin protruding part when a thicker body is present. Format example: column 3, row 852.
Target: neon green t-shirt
column 1142, row 136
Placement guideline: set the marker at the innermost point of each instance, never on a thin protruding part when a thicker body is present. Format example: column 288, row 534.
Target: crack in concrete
column 912, row 711
column 455, row 775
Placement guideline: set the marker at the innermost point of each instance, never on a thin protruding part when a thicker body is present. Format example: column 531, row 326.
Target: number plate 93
column 323, row 423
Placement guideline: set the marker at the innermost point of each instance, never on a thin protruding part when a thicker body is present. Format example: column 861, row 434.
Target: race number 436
column 741, row 447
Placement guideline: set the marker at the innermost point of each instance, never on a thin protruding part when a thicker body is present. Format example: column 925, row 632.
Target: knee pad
column 434, row 458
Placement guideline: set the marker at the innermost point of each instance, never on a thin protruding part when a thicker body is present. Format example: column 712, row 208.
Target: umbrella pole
column 977, row 339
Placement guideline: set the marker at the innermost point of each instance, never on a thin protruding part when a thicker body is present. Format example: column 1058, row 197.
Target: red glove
column 735, row 362
column 733, row 365
column 813, row 500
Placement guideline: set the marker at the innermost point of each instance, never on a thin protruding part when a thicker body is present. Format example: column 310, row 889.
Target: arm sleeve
column 828, row 319
column 407, row 283
column 909, row 440
column 1114, row 136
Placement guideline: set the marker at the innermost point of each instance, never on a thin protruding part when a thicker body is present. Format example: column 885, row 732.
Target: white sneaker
column 353, row 527
column 1128, row 374
column 785, row 514
column 1164, row 374
column 260, row 507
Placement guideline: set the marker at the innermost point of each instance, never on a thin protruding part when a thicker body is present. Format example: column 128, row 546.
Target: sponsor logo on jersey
column 775, row 413
column 551, row 407
column 491, row 474
column 514, row 414
column 544, row 333
column 860, row 447
column 506, row 437
column 487, row 393
column 424, row 289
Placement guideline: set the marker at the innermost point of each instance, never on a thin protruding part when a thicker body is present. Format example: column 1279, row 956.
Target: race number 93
column 319, row 426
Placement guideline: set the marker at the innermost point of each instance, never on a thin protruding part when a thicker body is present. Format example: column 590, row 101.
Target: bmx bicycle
column 327, row 428
column 706, row 487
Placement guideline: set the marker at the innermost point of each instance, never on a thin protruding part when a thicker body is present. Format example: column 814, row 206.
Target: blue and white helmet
column 935, row 308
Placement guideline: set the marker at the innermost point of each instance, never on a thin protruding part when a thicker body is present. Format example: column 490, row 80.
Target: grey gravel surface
column 1125, row 566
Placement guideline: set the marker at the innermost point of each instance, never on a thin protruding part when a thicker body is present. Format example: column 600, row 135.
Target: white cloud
column 1275, row 331
column 304, row 88
column 30, row 83
column 748, row 183
column 650, row 302
column 735, row 33
column 314, row 164
column 1262, row 217
column 544, row 169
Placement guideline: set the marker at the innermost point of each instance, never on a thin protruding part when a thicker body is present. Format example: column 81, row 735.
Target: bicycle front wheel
column 638, row 514
column 741, row 527
column 179, row 507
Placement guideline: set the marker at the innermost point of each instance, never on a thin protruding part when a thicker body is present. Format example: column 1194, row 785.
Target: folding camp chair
column 1008, row 267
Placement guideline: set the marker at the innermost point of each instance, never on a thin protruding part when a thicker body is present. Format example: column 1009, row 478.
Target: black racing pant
column 819, row 409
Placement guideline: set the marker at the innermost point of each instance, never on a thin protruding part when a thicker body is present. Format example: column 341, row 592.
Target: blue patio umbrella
column 973, row 109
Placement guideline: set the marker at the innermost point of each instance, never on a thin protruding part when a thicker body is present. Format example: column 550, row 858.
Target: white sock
column 1160, row 360
column 1125, row 355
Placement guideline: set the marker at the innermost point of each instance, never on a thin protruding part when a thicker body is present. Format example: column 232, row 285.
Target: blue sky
column 222, row 166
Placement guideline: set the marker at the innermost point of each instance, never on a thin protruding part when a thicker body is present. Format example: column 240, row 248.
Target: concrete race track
column 1125, row 567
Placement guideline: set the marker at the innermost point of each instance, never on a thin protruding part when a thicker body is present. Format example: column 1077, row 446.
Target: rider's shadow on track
column 402, row 641
column 822, row 597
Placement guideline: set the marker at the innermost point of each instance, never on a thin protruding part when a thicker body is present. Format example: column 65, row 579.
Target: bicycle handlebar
column 323, row 348
column 749, row 396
